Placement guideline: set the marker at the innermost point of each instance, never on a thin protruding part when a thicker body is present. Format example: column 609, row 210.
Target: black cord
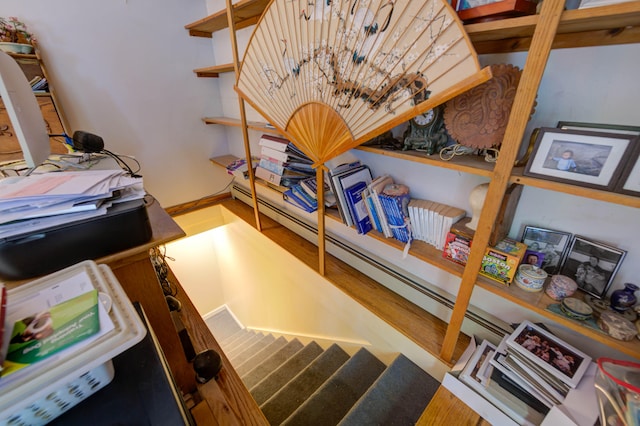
column 158, row 259
column 122, row 163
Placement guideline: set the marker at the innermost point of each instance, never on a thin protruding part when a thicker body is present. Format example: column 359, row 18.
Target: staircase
column 304, row 384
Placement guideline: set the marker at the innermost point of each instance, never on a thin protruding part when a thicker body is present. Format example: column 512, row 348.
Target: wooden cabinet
column 552, row 28
column 32, row 66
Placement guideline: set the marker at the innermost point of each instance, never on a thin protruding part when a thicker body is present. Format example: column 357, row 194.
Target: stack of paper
column 40, row 201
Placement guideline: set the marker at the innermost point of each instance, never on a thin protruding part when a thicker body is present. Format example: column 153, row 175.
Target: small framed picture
column 578, row 157
column 592, row 265
column 600, row 127
column 534, row 258
column 549, row 353
column 629, row 181
column 552, row 244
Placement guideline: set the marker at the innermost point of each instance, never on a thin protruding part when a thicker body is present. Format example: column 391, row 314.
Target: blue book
column 302, row 195
column 292, row 199
column 373, row 214
column 357, row 208
column 395, row 204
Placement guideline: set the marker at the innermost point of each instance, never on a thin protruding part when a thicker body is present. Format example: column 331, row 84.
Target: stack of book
column 282, row 163
column 39, row 84
column 527, row 374
column 395, row 203
column 431, row 221
column 349, row 180
column 374, row 206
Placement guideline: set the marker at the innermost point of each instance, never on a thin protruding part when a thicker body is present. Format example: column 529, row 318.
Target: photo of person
column 552, row 353
column 575, row 157
column 532, row 257
column 552, row 245
column 592, row 265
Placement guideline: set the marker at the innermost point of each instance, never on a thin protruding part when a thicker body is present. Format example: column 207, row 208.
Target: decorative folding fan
column 332, row 74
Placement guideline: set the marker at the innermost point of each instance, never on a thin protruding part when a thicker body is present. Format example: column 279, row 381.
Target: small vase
column 625, row 298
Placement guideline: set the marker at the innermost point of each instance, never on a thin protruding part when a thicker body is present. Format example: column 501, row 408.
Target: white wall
column 123, row 69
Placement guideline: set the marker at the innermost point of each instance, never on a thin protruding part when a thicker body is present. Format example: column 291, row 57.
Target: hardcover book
column 395, row 200
column 357, row 207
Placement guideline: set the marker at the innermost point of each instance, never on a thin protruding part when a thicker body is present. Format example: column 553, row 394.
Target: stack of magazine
column 527, row 374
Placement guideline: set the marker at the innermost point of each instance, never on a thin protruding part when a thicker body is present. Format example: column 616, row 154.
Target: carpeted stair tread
column 222, row 325
column 275, row 381
column 250, row 350
column 270, row 364
column 411, row 389
column 261, row 355
column 284, row 402
column 241, row 340
column 244, row 344
column 232, row 338
column 329, row 404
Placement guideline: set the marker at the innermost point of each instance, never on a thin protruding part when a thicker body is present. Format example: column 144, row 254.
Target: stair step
column 244, row 344
column 270, row 364
column 260, row 354
column 222, row 325
column 284, row 402
column 272, row 383
column 250, row 350
column 398, row 397
column 224, row 344
column 242, row 337
column 340, row 392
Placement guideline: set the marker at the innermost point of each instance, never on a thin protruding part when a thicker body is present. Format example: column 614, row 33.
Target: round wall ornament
column 478, row 118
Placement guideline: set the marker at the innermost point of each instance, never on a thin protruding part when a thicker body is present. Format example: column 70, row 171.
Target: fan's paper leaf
column 332, row 74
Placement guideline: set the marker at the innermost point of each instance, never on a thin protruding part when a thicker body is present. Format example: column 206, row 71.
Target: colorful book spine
column 273, row 166
column 395, row 199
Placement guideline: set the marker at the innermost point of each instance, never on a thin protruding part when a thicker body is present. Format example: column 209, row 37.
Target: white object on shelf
column 39, row 384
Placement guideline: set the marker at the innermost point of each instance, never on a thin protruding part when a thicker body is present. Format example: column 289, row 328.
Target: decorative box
column 500, row 263
column 561, row 286
column 530, row 278
column 457, row 248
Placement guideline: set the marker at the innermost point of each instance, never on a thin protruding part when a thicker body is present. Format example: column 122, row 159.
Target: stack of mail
column 39, row 201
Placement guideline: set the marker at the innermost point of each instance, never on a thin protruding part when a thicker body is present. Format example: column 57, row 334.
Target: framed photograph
column 592, row 265
column 534, row 258
column 552, row 244
column 629, row 181
column 578, row 157
column 599, row 127
column 549, row 353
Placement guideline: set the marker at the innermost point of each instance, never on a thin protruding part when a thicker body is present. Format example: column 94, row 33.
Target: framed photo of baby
column 587, row 158
column 592, row 265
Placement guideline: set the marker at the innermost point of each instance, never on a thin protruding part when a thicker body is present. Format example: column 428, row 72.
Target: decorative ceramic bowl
column 576, row 309
column 530, row 278
column 561, row 286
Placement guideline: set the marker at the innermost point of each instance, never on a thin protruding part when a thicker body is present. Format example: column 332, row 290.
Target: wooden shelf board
column 538, row 303
column 246, row 12
column 606, row 196
column 465, row 163
column 214, row 71
column 615, row 24
column 234, row 122
column 223, row 160
column 423, row 328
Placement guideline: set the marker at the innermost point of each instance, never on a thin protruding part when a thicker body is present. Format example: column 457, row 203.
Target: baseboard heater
column 339, row 247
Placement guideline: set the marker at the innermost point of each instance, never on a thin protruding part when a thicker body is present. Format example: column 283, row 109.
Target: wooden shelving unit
column 213, row 71
column 553, row 28
column 234, row 122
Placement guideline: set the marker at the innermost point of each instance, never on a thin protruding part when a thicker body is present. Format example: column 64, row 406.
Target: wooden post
column 523, row 103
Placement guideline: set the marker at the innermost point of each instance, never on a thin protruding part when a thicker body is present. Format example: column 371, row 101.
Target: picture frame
column 578, row 157
column 535, row 258
column 599, row 127
column 553, row 244
column 592, row 265
column 549, row 353
column 629, row 180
